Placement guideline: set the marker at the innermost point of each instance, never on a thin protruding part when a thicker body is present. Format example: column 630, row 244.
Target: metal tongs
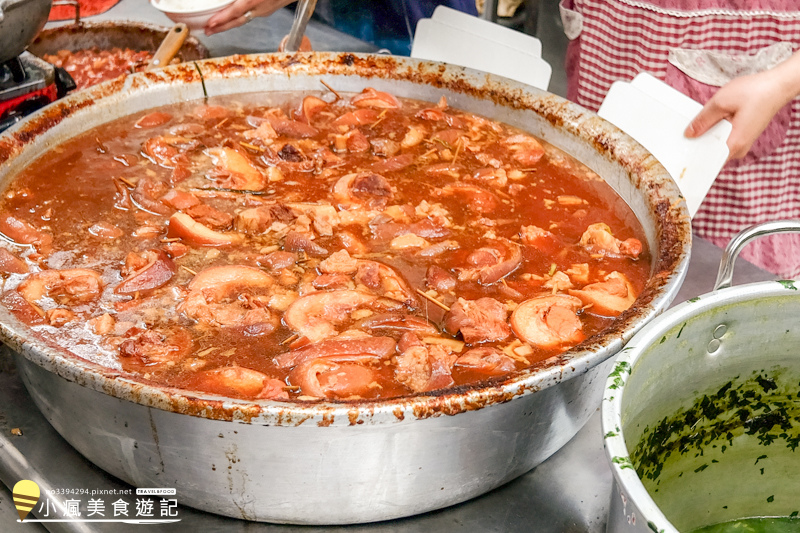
column 302, row 13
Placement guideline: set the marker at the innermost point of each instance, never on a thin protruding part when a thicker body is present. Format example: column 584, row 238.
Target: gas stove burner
column 28, row 83
column 24, row 75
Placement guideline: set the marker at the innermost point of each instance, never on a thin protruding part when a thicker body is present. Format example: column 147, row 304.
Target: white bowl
column 194, row 14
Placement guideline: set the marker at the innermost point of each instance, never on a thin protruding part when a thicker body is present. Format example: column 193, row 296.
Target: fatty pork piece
column 191, row 231
column 148, row 193
column 486, row 360
column 154, row 347
column 11, row 264
column 241, row 382
column 21, row 232
column 373, row 275
column 525, row 149
column 366, row 349
column 475, row 199
column 490, row 176
column 481, row 320
column 492, row 262
column 301, row 242
column 396, row 324
column 278, row 260
column 210, row 216
column 353, row 142
column 324, row 217
column 370, row 97
column 65, row 287
column 598, row 239
column 534, row 235
column 145, row 271
column 549, row 322
column 423, row 367
column 289, row 128
column 310, row 107
column 439, row 279
column 319, row 315
column 326, row 378
column 384, row 230
column 169, row 151
column 180, row 200
column 233, row 170
column 231, row 295
column 257, row 220
column 336, row 368
column 609, row 297
column 365, row 189
column 386, row 281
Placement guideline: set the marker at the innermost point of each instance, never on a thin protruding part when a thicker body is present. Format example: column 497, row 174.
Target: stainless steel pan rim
column 670, row 244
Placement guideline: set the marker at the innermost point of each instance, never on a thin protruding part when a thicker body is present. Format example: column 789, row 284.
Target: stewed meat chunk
column 481, row 320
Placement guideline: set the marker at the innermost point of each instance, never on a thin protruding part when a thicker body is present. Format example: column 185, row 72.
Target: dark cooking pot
column 358, row 461
column 111, row 34
column 20, row 21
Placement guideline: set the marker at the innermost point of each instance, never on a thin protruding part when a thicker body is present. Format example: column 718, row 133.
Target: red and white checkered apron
column 616, row 39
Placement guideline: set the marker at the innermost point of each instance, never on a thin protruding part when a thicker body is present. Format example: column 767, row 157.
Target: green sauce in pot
column 754, row 525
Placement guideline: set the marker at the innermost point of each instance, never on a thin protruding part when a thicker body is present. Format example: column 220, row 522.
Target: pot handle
column 725, row 273
column 73, row 3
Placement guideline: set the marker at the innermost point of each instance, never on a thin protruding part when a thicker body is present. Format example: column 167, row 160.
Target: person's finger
column 747, row 127
column 705, row 119
column 230, row 17
column 241, row 12
column 235, row 23
column 738, row 146
column 740, row 140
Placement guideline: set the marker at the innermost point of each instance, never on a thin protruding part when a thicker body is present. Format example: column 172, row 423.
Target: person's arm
column 749, row 103
column 234, row 15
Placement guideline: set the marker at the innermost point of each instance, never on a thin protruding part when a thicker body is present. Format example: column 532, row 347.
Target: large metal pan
column 329, row 462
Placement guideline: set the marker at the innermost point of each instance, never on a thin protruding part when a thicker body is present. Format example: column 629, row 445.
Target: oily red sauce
column 277, row 247
column 94, row 65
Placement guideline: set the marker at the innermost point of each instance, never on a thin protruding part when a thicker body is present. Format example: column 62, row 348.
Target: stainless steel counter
column 570, row 492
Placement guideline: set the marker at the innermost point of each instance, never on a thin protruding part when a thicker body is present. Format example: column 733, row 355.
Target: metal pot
column 20, row 21
column 700, row 415
column 345, row 462
column 111, row 34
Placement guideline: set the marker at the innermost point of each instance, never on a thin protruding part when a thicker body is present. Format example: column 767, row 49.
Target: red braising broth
column 306, row 247
column 93, row 65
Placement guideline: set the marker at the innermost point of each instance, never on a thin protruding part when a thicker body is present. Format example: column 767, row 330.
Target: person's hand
column 241, row 12
column 750, row 103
